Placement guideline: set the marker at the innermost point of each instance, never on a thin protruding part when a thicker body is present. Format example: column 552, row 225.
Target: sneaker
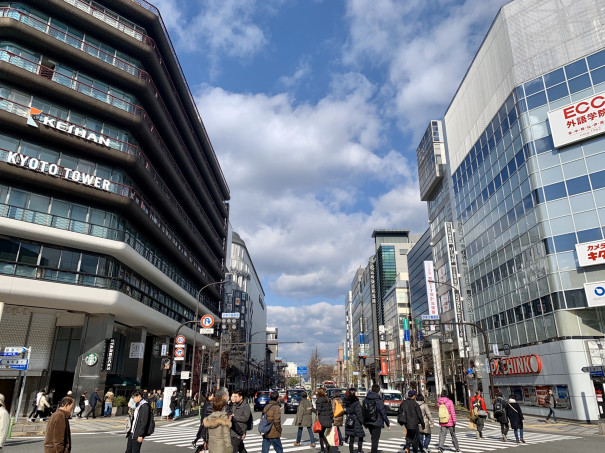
column 504, row 439
column 517, row 441
column 296, row 444
column 522, row 440
column 477, row 434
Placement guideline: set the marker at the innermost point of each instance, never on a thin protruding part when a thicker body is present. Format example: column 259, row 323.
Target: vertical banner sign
column 431, row 291
column 168, row 391
column 408, row 347
column 384, row 366
column 453, row 262
column 382, row 340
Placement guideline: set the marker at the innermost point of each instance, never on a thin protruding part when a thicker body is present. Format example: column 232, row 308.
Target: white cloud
column 318, row 325
column 302, row 70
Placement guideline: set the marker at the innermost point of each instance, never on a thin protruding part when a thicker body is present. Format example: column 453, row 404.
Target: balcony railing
column 95, row 93
column 128, row 148
column 129, row 192
column 110, row 20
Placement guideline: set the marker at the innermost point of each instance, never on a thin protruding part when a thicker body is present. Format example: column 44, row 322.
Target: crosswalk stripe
column 288, row 422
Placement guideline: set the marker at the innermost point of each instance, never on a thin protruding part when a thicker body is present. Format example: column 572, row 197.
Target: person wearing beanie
column 4, row 422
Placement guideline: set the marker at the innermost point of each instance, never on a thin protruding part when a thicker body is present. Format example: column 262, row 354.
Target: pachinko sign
column 578, row 121
column 516, row 366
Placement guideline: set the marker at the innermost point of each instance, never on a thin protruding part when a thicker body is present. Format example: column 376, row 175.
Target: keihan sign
column 36, row 117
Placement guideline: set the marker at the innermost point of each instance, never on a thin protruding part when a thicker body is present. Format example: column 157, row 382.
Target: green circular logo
column 91, row 359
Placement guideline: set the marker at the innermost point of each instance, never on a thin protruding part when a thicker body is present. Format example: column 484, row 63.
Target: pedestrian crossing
column 180, row 434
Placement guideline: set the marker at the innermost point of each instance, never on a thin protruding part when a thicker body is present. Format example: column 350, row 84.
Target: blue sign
column 361, row 338
column 419, row 335
column 406, row 335
column 430, row 317
column 301, row 370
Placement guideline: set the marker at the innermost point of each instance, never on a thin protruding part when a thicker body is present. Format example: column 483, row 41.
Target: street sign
column 184, row 374
column 15, row 364
column 406, row 335
column 11, row 351
column 495, row 348
column 432, row 317
column 179, row 354
column 207, row 321
column 406, row 324
column 594, row 370
column 355, row 373
column 301, row 370
column 180, row 340
column 207, row 331
column 230, row 315
column 164, row 351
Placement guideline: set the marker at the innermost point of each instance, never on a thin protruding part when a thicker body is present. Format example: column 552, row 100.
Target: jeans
column 517, row 434
column 299, row 434
column 425, row 440
column 107, row 411
column 339, row 435
column 443, row 430
column 275, row 443
column 504, row 428
column 375, row 437
column 411, row 439
column 551, row 412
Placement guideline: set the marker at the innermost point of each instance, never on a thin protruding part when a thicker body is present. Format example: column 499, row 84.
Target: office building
column 113, row 206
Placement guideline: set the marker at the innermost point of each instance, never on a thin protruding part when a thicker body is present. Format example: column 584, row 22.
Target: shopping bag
column 77, row 410
column 472, row 425
column 316, row 427
column 332, row 436
column 177, row 413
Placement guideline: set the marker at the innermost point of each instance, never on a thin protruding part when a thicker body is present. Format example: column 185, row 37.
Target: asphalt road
column 177, row 436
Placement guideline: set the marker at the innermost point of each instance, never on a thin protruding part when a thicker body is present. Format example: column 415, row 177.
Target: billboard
column 578, row 121
column 431, row 291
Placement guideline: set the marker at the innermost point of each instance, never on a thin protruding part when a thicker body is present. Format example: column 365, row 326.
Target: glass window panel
column 596, row 60
column 551, row 175
column 571, row 153
column 8, row 143
column 586, row 220
column 59, row 208
column 557, row 92
column 581, row 94
column 598, row 179
column 598, row 75
column 558, row 208
column 562, row 225
column 28, row 253
column 554, row 78
column 548, row 159
column 555, row 191
column 69, row 260
column 8, row 249
column 593, row 234
column 575, row 69
column 536, row 100
column 578, row 185
column 567, row 261
column 582, row 202
column 533, row 86
column 50, row 257
column 565, row 242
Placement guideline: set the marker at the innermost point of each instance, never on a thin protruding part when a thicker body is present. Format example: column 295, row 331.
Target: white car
column 362, row 392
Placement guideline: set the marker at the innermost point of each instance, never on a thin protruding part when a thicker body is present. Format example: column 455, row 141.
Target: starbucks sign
column 91, row 359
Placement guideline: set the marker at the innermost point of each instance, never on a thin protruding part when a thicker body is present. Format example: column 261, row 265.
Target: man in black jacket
column 413, row 418
column 372, row 404
column 140, row 422
column 241, row 414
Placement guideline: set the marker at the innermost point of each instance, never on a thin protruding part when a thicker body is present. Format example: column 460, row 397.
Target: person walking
column 142, row 419
column 304, row 419
column 241, row 416
column 109, row 396
column 173, row 405
column 374, row 407
column 4, row 422
column 202, row 432
column 354, row 423
column 424, row 432
column 515, row 416
column 92, row 403
column 550, row 402
column 50, row 399
column 478, row 412
column 35, row 405
column 447, row 420
column 325, row 415
column 500, row 415
column 410, row 410
column 219, row 426
column 82, row 404
column 58, row 434
column 273, row 413
column 338, row 420
column 43, row 406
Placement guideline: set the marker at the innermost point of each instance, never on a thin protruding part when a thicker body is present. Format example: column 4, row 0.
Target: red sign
column 384, row 367
column 577, row 121
column 591, row 253
column 515, row 366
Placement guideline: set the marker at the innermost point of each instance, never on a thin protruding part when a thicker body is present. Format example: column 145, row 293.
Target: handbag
column 77, row 410
column 350, row 422
column 332, row 437
column 317, row 427
column 264, row 426
column 482, row 414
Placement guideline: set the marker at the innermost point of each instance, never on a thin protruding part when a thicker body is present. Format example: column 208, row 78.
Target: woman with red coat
column 479, row 411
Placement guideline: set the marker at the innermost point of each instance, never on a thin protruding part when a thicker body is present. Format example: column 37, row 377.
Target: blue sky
column 315, row 109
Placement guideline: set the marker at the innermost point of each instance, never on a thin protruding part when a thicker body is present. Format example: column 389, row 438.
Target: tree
column 293, row 381
column 313, row 367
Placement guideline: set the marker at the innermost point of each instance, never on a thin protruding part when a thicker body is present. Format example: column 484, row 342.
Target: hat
column 411, row 393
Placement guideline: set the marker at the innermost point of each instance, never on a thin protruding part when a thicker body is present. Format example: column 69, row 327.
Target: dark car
column 292, row 400
column 261, row 399
column 331, row 393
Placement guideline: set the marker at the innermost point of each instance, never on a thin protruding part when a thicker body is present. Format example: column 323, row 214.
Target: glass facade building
column 521, row 206
column 113, row 206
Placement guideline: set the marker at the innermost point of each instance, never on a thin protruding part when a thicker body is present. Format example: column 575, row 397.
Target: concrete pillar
column 133, row 367
column 97, row 328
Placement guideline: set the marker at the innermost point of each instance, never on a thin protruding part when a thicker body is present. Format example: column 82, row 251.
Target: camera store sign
column 516, row 366
column 33, row 164
column 36, row 117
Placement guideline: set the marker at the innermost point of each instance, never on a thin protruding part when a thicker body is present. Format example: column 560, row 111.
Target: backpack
column 498, row 408
column 444, row 414
column 250, row 423
column 150, row 428
column 370, row 411
column 264, row 426
column 338, row 409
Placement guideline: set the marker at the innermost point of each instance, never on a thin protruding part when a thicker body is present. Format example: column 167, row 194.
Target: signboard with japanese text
column 595, row 294
column 578, row 121
column 137, row 350
column 591, row 253
column 431, row 291
column 453, row 262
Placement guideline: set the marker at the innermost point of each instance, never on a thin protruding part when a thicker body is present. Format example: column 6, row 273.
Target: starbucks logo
column 91, row 359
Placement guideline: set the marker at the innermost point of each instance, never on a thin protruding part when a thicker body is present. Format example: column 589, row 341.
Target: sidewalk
column 81, row 425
